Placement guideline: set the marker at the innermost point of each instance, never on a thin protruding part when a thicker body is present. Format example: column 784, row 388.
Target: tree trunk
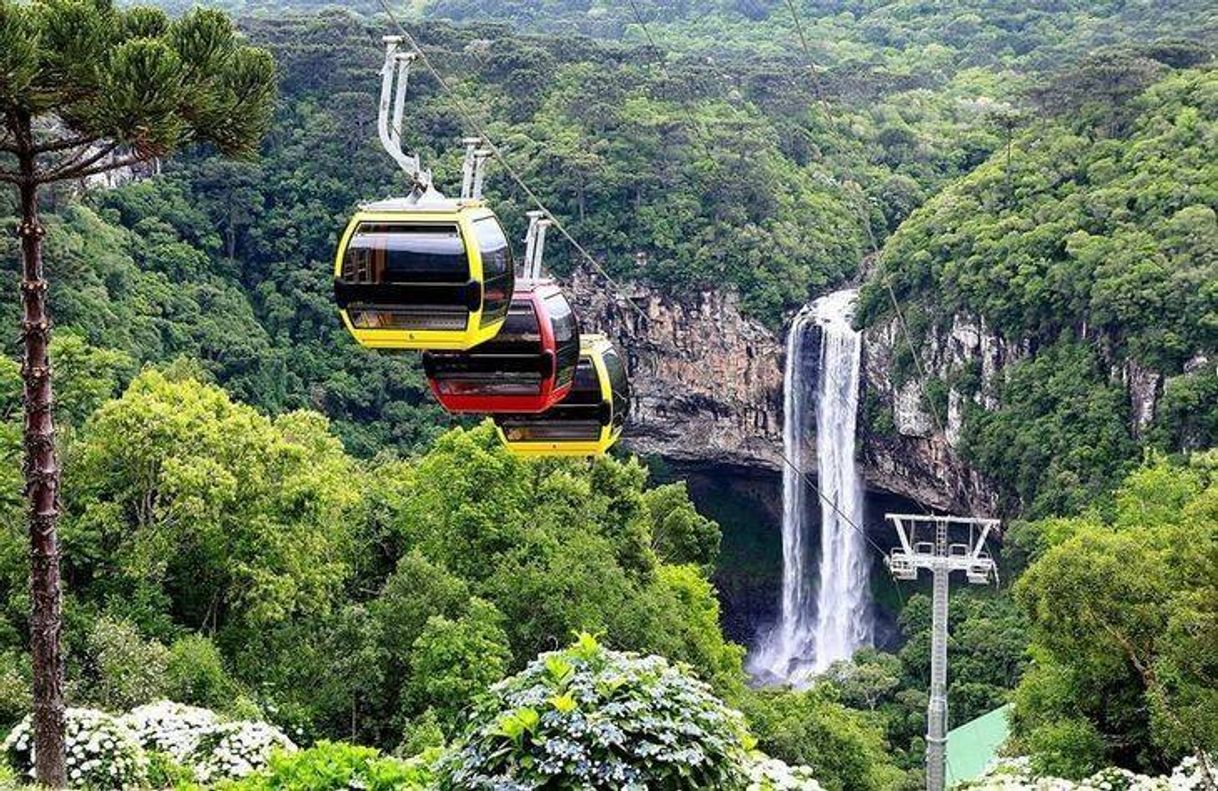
column 42, row 484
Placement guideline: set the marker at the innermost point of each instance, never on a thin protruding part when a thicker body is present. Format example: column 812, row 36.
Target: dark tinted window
column 578, row 417
column 566, row 337
column 586, row 391
column 498, row 272
column 521, row 333
column 505, row 365
column 408, row 318
column 551, row 430
column 405, row 253
column 620, row 385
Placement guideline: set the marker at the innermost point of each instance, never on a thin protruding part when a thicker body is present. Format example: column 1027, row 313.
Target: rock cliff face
column 917, row 455
column 707, row 382
column 707, row 385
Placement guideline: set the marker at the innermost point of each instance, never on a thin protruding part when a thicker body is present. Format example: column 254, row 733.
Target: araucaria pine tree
column 86, row 88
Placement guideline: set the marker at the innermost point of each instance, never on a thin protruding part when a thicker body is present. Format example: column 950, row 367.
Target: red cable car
column 525, row 369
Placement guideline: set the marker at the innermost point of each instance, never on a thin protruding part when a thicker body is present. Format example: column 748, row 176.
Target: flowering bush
column 198, row 739
column 770, row 774
column 592, row 718
column 232, row 750
column 101, row 752
column 171, row 728
column 1014, row 774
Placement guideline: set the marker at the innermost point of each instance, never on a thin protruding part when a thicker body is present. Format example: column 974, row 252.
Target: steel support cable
column 468, row 117
column 634, row 6
column 895, row 304
column 651, row 39
column 787, row 461
column 803, row 42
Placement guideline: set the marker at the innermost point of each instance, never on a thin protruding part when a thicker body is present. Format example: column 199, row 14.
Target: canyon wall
column 707, row 384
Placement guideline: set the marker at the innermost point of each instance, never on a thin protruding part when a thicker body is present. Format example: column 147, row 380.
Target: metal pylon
column 936, row 543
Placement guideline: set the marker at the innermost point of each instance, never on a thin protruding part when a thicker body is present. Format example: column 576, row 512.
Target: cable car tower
column 942, row 544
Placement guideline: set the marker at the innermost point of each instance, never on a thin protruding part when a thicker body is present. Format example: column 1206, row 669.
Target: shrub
column 452, row 662
column 195, row 674
column 126, row 670
column 102, row 753
column 336, row 765
column 422, row 733
column 15, row 696
column 232, row 750
column 171, row 728
column 210, row 747
column 592, row 718
column 844, row 748
column 771, row 774
column 164, row 772
column 1017, row 774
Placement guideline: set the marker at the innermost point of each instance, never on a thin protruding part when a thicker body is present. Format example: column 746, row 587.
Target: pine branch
column 121, row 162
column 64, row 145
column 9, row 177
column 76, row 163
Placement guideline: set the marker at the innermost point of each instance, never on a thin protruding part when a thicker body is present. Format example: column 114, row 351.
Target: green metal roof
column 972, row 746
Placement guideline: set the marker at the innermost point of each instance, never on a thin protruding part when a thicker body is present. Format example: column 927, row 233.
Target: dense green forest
column 1095, row 239
column 265, row 521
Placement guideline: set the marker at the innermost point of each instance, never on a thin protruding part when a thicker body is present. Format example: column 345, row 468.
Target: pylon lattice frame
column 934, row 542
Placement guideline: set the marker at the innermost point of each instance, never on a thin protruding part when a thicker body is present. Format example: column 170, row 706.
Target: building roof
column 972, row 746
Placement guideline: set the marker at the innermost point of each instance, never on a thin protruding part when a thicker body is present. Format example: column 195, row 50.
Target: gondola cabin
column 527, row 368
column 435, row 274
column 588, row 421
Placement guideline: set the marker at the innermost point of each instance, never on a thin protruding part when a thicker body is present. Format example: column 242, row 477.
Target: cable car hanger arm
column 397, row 65
column 395, row 78
column 535, row 244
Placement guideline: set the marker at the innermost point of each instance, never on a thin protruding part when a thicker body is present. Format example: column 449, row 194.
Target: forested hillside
column 1095, row 239
column 729, row 173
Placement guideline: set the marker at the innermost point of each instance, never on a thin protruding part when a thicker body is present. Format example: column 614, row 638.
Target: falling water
column 843, row 620
column 786, row 650
column 826, row 622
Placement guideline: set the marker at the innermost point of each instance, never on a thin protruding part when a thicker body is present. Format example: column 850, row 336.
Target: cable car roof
column 430, row 202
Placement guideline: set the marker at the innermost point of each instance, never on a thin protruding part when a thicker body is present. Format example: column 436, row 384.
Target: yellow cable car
column 588, row 421
column 424, row 274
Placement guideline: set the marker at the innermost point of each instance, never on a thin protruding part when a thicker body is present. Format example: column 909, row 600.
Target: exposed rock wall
column 707, row 382
column 707, row 385
column 918, row 456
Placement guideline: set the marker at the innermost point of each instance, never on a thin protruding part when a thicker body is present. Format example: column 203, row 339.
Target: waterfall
column 820, row 623
column 843, row 620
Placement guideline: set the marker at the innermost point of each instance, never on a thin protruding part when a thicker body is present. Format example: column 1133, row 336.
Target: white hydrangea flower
column 1016, row 775
column 232, row 750
column 171, row 728
column 200, row 740
column 101, row 751
column 771, row 774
